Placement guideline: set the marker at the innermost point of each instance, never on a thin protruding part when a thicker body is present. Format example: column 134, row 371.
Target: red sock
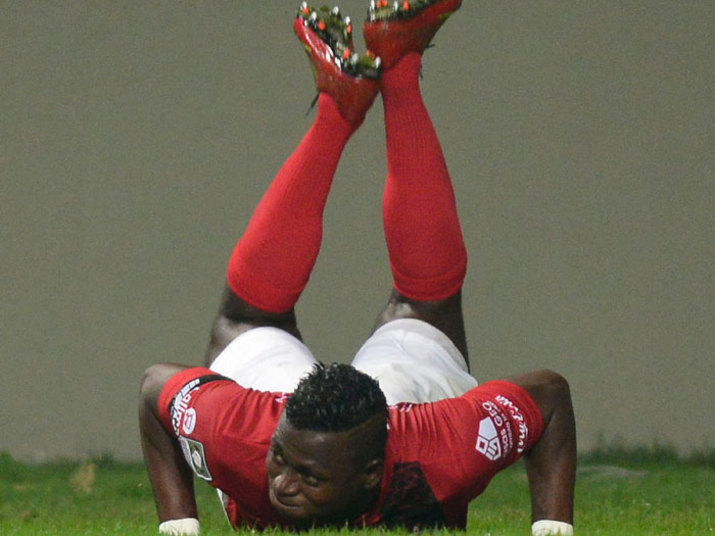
column 422, row 230
column 271, row 263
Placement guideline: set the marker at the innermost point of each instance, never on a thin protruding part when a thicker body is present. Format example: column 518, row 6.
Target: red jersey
column 439, row 456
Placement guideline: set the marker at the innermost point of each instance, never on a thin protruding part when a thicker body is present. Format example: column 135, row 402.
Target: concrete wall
column 137, row 138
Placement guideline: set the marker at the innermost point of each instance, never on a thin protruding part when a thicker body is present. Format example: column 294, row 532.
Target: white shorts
column 412, row 360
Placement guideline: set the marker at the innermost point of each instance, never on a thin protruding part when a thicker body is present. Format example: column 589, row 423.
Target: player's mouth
column 285, row 505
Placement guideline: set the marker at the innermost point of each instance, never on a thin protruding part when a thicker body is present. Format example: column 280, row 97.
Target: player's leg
column 427, row 253
column 271, row 263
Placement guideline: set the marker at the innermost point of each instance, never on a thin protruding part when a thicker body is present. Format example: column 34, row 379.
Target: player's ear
column 372, row 474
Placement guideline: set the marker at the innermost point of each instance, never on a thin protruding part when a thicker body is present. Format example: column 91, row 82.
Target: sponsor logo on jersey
column 505, row 420
column 518, row 418
column 181, row 402
column 195, row 457
column 501, row 424
column 182, row 399
column 189, row 421
column 488, row 440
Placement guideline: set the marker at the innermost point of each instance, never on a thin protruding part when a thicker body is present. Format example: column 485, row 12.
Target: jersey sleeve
column 223, row 429
column 181, row 386
column 509, row 420
column 461, row 443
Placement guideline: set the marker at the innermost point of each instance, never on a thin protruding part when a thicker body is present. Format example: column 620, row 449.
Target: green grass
column 634, row 492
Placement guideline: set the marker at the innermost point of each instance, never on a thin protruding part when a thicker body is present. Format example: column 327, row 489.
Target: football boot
column 394, row 29
column 351, row 79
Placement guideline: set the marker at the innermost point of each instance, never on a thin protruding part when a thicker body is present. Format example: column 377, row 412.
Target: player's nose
column 286, row 482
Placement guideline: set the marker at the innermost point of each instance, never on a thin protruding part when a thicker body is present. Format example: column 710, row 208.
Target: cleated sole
column 336, row 32
column 394, row 29
column 350, row 79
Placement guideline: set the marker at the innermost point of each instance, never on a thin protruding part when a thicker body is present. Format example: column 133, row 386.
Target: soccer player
column 403, row 436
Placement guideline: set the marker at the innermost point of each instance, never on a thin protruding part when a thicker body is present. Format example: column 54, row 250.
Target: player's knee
column 152, row 380
column 557, row 384
column 551, row 391
column 146, row 379
column 559, row 402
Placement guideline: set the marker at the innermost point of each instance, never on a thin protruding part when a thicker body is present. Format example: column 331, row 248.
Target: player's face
column 313, row 479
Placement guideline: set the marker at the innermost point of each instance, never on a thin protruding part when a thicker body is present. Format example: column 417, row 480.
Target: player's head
column 325, row 463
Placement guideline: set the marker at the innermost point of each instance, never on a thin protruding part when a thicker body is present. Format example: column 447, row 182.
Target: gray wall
column 138, row 136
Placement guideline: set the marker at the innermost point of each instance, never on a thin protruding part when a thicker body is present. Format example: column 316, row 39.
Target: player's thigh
column 265, row 358
column 236, row 316
column 446, row 315
column 414, row 362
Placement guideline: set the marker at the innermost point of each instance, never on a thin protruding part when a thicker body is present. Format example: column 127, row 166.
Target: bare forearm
column 551, row 468
column 170, row 476
column 171, row 479
column 551, row 463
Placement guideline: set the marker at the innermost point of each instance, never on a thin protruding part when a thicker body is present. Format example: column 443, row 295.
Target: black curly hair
column 337, row 398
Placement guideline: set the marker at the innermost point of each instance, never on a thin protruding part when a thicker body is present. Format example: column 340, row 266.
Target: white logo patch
column 181, row 403
column 488, row 440
column 189, row 421
column 194, row 454
column 519, row 418
column 197, row 459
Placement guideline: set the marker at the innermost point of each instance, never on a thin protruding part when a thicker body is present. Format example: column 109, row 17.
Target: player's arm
column 170, row 476
column 551, row 462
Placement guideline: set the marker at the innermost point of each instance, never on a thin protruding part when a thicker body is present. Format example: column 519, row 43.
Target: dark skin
column 316, row 478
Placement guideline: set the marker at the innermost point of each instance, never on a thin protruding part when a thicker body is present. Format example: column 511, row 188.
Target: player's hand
column 180, row 527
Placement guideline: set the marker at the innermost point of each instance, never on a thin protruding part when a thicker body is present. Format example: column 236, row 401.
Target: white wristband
column 180, row 527
column 546, row 527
